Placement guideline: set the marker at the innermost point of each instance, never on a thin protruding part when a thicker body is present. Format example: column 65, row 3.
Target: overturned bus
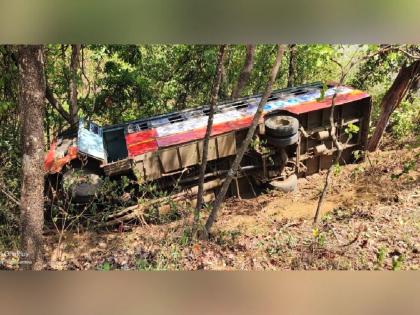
column 292, row 140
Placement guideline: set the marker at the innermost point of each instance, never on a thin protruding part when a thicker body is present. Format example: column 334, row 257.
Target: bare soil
column 370, row 220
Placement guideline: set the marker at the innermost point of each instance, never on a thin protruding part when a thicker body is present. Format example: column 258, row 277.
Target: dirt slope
column 371, row 220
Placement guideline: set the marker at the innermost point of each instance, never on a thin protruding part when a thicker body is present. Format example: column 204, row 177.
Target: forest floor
column 370, row 220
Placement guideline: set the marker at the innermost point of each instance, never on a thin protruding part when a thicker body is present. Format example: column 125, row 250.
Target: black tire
column 281, row 126
column 283, row 142
column 81, row 185
column 287, row 185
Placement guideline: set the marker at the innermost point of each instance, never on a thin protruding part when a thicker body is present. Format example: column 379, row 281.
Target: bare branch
column 339, row 148
column 408, row 54
column 82, row 67
column 49, row 95
column 291, row 77
column 8, row 194
column 344, row 71
column 74, row 66
column 213, row 103
column 335, row 141
column 244, row 146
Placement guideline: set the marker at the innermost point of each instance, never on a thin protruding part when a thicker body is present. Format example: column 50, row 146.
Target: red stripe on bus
column 140, row 136
column 198, row 134
column 316, row 105
column 141, row 148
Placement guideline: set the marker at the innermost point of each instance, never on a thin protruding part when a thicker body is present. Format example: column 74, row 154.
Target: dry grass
column 371, row 220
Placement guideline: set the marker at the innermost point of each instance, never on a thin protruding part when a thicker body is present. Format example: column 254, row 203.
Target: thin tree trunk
column 57, row 106
column 339, row 148
column 213, row 103
column 74, row 66
column 392, row 99
column 31, row 99
column 246, row 71
column 231, row 173
column 414, row 88
column 49, row 94
column 335, row 141
column 292, row 66
column 8, row 77
column 223, row 90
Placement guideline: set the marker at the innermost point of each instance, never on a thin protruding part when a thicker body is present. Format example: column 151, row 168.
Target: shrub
column 406, row 119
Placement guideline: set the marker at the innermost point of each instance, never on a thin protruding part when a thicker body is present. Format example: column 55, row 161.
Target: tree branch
column 339, row 148
column 292, row 65
column 246, row 71
column 213, row 104
column 74, row 66
column 415, row 57
column 82, row 67
column 49, row 95
column 244, row 146
column 8, row 194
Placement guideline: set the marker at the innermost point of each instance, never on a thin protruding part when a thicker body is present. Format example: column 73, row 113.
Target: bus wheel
column 283, row 142
column 281, row 126
column 81, row 185
column 287, row 185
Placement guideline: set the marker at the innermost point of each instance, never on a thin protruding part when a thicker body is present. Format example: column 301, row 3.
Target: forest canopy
column 121, row 82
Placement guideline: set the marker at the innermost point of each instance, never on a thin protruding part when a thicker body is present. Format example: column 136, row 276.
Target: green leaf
column 351, row 129
column 323, row 90
column 106, row 266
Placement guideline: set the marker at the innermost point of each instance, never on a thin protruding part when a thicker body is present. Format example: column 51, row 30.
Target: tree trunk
column 244, row 146
column 213, row 103
column 8, row 76
column 292, row 66
column 31, row 99
column 74, row 66
column 56, row 105
column 414, row 89
column 246, row 71
column 392, row 99
column 338, row 146
column 223, row 90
